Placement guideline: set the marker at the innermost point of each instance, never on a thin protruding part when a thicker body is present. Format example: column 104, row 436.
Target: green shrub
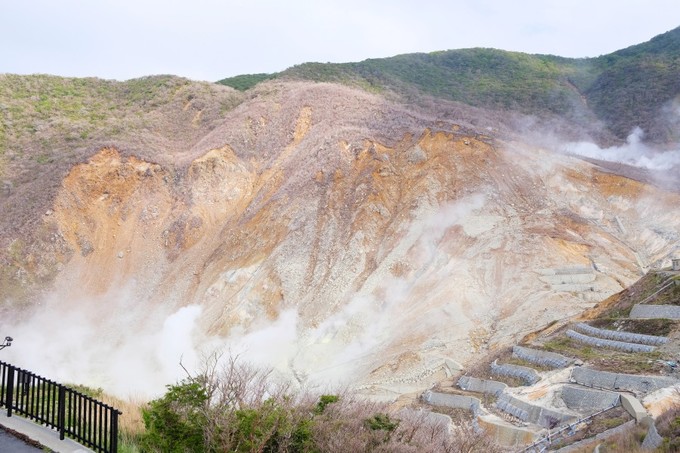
column 325, row 400
column 174, row 422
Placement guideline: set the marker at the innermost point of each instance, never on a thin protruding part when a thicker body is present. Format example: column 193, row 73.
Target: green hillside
column 635, row 85
column 624, row 89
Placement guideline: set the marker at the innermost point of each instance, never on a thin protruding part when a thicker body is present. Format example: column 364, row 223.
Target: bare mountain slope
column 332, row 234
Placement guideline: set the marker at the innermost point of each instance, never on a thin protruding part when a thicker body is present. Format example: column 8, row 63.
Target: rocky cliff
column 326, row 232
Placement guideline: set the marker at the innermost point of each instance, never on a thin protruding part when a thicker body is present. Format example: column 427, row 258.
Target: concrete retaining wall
column 567, row 270
column 634, row 407
column 580, row 445
column 614, row 381
column 506, row 434
column 652, row 440
column 573, row 270
column 611, row 344
column 473, row 384
column 562, row 279
column 431, row 418
column 651, row 340
column 655, row 311
column 505, row 404
column 573, row 287
column 586, row 400
column 532, row 413
column 454, row 401
column 528, row 375
column 538, row 357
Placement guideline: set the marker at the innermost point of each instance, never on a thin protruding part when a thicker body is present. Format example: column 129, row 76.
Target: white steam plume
column 333, row 352
column 111, row 342
column 634, row 153
column 132, row 350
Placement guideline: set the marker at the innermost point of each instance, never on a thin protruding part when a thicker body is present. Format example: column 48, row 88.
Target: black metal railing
column 73, row 414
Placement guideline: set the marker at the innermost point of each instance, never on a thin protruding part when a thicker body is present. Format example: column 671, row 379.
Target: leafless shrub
column 247, row 409
column 668, row 426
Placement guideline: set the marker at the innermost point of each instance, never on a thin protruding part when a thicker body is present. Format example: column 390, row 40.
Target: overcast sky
column 213, row 39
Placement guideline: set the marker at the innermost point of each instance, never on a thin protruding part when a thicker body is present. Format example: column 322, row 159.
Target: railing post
column 61, row 410
column 114, row 430
column 10, row 390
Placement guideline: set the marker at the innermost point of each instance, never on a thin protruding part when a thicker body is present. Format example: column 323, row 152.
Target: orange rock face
column 395, row 252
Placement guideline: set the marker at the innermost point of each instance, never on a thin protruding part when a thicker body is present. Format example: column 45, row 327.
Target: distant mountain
column 632, row 87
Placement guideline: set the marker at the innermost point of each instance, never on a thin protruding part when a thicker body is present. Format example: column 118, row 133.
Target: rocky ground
column 322, row 230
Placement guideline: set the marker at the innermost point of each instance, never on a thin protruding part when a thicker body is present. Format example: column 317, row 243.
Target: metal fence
column 73, row 414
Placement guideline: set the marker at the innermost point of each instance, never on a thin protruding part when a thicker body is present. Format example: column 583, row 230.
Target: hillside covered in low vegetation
column 633, row 87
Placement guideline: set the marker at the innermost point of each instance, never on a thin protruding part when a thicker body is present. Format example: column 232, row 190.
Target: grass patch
column 43, row 159
column 606, row 359
column 508, row 380
column 638, row 292
column 620, row 313
column 659, row 327
column 669, row 296
column 96, row 393
column 570, row 348
column 521, row 362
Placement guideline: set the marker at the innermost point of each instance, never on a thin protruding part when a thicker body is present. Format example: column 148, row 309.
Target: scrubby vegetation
column 625, row 89
column 661, row 327
column 238, row 408
column 598, row 424
column 635, row 83
column 50, row 116
column 245, row 81
column 668, row 426
column 648, row 290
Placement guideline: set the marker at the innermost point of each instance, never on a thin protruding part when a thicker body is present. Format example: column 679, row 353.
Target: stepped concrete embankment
column 526, row 374
column 639, row 384
column 453, row 401
column 610, row 344
column 586, row 400
column 432, row 418
column 532, row 413
column 487, row 386
column 569, row 279
column 616, row 335
column 538, row 357
column 504, row 433
column 640, row 311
